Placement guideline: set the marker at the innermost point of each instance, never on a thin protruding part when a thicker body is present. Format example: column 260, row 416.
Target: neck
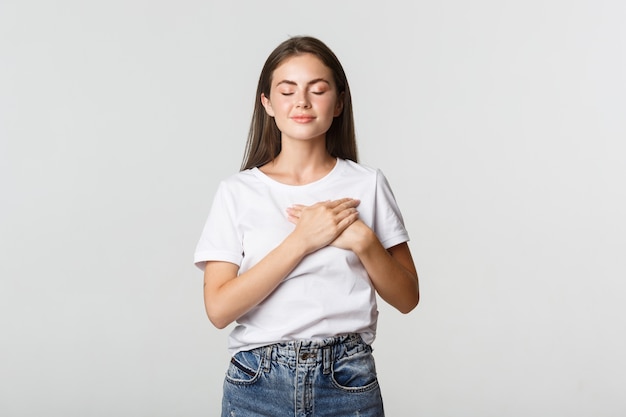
column 300, row 162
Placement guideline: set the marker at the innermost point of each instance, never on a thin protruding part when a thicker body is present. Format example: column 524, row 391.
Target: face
column 303, row 98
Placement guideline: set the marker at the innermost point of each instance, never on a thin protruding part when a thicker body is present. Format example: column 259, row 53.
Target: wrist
column 296, row 246
column 366, row 242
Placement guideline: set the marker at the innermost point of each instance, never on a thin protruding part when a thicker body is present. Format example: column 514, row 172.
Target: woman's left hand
column 352, row 238
column 392, row 271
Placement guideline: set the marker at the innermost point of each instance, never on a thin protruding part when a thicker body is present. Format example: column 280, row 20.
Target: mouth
column 302, row 118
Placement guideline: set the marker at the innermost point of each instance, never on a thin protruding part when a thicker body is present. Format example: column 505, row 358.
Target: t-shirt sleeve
column 221, row 238
column 388, row 221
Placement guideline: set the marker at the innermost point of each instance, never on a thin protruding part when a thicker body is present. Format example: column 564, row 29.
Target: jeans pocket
column 356, row 373
column 244, row 368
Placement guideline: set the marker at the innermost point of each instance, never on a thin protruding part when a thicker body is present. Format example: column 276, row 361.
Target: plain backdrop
column 501, row 126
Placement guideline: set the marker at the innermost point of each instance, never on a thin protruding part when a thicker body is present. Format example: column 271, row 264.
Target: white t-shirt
column 329, row 293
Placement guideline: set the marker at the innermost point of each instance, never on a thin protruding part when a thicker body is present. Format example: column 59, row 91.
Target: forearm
column 392, row 274
column 228, row 296
column 228, row 299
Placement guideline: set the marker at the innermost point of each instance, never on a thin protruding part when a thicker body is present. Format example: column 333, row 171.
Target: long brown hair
column 263, row 143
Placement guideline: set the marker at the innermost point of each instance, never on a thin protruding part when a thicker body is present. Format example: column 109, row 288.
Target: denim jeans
column 331, row 377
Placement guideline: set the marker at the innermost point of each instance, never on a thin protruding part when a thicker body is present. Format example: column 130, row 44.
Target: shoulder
column 370, row 175
column 363, row 171
column 235, row 187
column 358, row 168
column 246, row 178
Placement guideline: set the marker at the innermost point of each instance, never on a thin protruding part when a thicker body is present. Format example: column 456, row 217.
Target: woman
column 296, row 246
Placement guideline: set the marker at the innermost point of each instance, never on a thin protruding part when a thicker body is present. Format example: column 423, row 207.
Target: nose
column 302, row 101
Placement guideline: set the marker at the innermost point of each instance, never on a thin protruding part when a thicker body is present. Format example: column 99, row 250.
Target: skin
column 303, row 101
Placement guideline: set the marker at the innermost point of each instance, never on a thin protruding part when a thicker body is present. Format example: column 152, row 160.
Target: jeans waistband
column 313, row 352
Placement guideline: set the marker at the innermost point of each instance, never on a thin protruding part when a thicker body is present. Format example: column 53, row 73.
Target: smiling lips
column 302, row 118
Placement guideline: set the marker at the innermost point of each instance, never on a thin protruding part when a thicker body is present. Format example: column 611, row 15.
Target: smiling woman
column 304, row 99
column 301, row 284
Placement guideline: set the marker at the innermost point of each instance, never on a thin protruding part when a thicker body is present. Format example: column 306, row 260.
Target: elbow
column 406, row 309
column 217, row 318
column 218, row 322
column 219, row 325
column 414, row 299
column 217, row 313
column 410, row 305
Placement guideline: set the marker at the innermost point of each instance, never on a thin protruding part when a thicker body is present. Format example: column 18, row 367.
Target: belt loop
column 326, row 353
column 267, row 358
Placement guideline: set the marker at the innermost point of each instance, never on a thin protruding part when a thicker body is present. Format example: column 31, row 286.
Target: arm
column 391, row 271
column 228, row 296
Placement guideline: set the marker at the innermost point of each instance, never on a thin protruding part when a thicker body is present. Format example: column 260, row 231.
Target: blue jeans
column 331, row 377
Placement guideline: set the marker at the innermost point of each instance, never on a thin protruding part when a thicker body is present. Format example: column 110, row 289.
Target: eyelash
column 317, row 93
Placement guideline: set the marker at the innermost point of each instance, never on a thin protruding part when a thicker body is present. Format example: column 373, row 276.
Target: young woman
column 296, row 246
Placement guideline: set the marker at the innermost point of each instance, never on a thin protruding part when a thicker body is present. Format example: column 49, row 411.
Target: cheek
column 334, row 107
column 280, row 106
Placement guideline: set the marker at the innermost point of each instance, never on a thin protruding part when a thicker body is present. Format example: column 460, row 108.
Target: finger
column 351, row 202
column 346, row 203
column 348, row 220
column 295, row 211
column 347, row 213
column 338, row 202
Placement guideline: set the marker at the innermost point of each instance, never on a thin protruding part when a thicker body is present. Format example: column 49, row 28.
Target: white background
column 500, row 125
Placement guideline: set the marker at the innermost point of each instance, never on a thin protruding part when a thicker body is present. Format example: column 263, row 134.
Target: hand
column 354, row 238
column 320, row 224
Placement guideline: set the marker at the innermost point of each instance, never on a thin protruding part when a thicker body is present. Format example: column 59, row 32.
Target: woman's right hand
column 320, row 224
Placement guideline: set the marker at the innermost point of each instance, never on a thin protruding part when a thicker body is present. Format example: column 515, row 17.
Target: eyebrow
column 315, row 81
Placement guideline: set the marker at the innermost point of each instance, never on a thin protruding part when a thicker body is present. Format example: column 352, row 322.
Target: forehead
column 302, row 68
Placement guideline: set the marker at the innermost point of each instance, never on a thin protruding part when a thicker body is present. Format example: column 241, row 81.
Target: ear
column 339, row 105
column 267, row 104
